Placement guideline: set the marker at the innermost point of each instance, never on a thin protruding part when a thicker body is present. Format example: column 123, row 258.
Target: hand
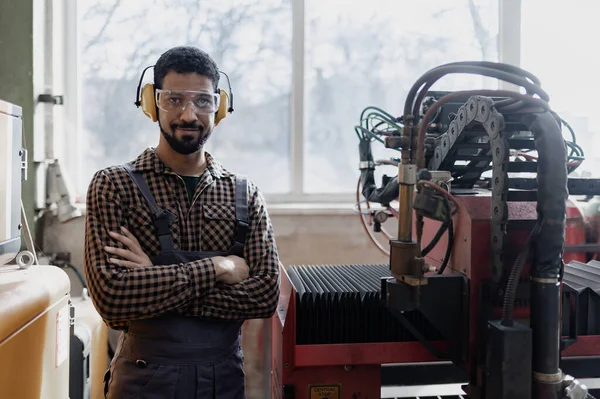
column 133, row 256
column 231, row 269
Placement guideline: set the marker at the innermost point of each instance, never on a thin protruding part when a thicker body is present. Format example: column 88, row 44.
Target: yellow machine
column 51, row 345
column 35, row 329
column 35, row 311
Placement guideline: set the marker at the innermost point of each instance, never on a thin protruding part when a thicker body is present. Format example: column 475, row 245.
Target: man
column 179, row 251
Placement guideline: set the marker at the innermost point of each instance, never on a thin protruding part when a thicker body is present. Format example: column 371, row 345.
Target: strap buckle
column 162, row 223
column 241, row 232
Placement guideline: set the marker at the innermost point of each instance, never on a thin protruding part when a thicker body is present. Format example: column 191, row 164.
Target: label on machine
column 62, row 335
column 324, row 391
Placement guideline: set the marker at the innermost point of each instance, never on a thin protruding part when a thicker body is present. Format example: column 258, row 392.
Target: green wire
column 368, row 132
column 381, row 120
column 376, row 109
column 391, row 122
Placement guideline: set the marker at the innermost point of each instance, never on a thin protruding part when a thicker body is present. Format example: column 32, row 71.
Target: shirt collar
column 148, row 160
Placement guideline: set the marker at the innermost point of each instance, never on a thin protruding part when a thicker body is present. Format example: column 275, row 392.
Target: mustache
column 186, row 126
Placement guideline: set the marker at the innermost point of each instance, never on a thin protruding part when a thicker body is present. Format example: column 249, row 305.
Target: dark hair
column 185, row 59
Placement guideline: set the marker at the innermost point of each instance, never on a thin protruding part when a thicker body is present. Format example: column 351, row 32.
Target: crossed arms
column 124, row 285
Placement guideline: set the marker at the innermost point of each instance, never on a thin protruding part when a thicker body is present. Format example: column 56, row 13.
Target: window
column 556, row 48
column 367, row 53
column 250, row 41
column 301, row 70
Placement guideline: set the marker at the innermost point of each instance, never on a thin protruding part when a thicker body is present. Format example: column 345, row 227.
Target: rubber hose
column 436, row 238
column 430, row 77
column 383, row 195
column 510, row 294
column 503, row 67
column 503, row 103
column 552, row 195
column 450, row 238
column 487, row 64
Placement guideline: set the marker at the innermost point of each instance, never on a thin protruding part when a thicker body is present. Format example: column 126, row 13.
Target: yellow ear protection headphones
column 146, row 99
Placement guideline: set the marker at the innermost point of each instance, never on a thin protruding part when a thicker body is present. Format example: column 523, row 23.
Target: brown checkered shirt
column 206, row 224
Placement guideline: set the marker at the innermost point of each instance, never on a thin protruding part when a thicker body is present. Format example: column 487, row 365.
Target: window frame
column 509, row 36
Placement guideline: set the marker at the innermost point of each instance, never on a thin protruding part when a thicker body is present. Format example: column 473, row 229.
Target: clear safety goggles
column 177, row 100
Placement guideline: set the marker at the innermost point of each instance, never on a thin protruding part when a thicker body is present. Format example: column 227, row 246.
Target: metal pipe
column 545, row 320
column 407, row 178
column 405, row 212
column 545, row 314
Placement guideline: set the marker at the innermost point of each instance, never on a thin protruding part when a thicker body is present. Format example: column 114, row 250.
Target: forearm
column 255, row 298
column 122, row 294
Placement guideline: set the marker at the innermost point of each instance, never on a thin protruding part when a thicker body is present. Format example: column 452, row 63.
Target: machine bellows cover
column 583, row 280
column 338, row 304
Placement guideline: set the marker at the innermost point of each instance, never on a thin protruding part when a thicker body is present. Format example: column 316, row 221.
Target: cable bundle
column 380, row 126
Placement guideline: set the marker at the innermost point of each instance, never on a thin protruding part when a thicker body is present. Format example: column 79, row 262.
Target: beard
column 190, row 142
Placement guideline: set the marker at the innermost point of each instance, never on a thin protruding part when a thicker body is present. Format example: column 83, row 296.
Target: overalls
column 174, row 356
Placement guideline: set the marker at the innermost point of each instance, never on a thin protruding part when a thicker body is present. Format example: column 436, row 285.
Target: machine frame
column 492, row 281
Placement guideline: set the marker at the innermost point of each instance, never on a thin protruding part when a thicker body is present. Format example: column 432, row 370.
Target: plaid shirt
column 206, row 224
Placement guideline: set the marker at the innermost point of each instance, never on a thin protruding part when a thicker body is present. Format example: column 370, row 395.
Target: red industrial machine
column 492, row 269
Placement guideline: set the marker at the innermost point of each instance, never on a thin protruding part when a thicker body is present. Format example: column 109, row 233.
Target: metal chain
column 500, row 159
column 479, row 110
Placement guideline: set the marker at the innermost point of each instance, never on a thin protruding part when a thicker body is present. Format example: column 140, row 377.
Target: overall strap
column 241, row 215
column 161, row 218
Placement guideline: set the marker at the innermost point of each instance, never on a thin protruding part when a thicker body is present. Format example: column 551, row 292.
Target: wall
column 324, row 239
column 16, row 77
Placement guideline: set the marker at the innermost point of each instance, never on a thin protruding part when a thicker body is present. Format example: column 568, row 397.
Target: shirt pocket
column 218, row 226
column 140, row 222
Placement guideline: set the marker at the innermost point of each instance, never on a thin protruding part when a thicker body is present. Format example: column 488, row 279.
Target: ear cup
column 223, row 105
column 147, row 102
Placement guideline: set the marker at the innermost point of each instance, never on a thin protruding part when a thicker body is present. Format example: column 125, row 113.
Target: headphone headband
column 230, row 110
column 137, row 94
column 139, row 88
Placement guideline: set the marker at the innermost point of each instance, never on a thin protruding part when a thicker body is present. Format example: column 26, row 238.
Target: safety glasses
column 177, row 100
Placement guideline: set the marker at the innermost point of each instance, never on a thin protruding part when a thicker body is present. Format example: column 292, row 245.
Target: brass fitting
column 407, row 179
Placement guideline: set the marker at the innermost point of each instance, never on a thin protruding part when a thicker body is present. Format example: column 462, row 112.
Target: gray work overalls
column 178, row 357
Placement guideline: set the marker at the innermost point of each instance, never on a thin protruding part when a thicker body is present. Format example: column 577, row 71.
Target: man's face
column 186, row 130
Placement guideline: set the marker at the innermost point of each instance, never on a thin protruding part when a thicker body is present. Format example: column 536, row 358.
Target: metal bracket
column 23, row 154
column 574, row 389
column 51, row 99
column 71, row 317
